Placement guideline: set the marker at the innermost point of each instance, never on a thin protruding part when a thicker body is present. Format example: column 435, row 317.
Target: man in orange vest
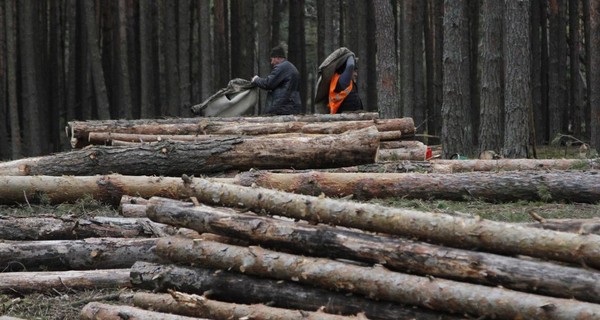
column 343, row 91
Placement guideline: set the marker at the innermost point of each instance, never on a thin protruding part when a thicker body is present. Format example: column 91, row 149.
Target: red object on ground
column 428, row 154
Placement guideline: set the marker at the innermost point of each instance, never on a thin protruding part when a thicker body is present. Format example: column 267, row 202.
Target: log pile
column 278, row 234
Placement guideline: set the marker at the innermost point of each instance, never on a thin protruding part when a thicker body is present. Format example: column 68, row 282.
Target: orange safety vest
column 336, row 98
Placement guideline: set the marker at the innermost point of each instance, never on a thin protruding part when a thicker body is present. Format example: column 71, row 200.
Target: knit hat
column 277, row 52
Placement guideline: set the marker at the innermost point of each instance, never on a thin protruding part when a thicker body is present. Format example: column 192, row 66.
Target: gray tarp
column 325, row 72
column 238, row 98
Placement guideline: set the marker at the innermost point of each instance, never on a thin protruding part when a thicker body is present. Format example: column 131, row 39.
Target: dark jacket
column 283, row 84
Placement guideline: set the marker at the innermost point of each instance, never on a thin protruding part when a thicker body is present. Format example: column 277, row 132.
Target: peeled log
column 197, row 306
column 395, row 253
column 580, row 226
column 103, row 311
column 69, row 227
column 239, row 288
column 406, row 150
column 45, row 281
column 376, row 282
column 575, row 186
column 217, row 155
column 92, row 253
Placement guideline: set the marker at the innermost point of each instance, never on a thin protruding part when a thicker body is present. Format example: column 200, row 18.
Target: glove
column 254, row 78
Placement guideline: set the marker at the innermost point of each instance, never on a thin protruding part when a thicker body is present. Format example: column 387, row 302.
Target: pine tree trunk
column 485, row 186
column 52, row 281
column 104, row 311
column 88, row 254
column 198, row 306
column 217, row 155
column 65, row 228
column 231, row 287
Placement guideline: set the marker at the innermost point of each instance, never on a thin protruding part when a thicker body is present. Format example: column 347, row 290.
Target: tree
column 456, row 125
column 387, row 89
column 576, row 94
column 491, row 128
column 97, row 73
column 206, row 52
column 183, row 56
column 557, row 69
column 123, row 90
column 296, row 41
column 262, row 16
column 517, row 75
column 594, row 54
column 406, row 57
column 148, row 59
column 168, row 39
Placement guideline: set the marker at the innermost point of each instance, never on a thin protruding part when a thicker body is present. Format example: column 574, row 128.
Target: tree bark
column 387, row 73
column 394, row 253
column 80, row 131
column 486, row 186
column 217, row 155
column 457, row 131
column 375, row 282
column 103, row 311
column 240, row 288
column 198, row 306
column 11, row 66
column 88, row 254
column 46, row 281
column 69, row 227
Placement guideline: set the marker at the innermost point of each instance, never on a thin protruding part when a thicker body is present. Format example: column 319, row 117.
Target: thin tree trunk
column 100, row 92
column 457, row 136
column 406, row 57
column 394, row 253
column 52, row 281
column 65, row 228
column 594, row 67
column 198, row 306
column 206, row 45
column 557, row 68
column 576, row 98
column 240, row 288
column 103, row 311
column 183, row 56
column 375, row 282
column 88, row 254
column 148, row 59
column 125, row 107
column 517, row 76
column 169, row 50
column 220, row 154
column 297, row 42
column 485, row 186
column 387, row 74
column 11, row 61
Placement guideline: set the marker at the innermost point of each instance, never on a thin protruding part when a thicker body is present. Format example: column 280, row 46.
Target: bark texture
column 580, row 186
column 46, row 281
column 103, row 311
column 88, row 254
column 376, row 282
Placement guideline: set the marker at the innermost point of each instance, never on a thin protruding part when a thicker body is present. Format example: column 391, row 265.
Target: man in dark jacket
column 283, row 84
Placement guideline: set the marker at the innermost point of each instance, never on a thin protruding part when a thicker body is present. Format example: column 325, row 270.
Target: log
column 197, row 306
column 459, row 232
column 376, row 282
column 395, row 253
column 580, row 226
column 131, row 139
column 455, row 166
column 406, row 150
column 574, row 186
column 103, row 311
column 70, row 227
column 239, row 288
column 92, row 253
column 63, row 281
column 177, row 158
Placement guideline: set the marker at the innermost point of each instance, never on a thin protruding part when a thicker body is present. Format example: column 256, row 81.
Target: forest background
column 479, row 74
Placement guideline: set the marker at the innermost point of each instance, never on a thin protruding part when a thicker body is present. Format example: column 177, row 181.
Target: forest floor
column 67, row 304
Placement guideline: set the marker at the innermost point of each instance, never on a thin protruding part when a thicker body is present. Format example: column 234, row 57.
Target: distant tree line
column 478, row 74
